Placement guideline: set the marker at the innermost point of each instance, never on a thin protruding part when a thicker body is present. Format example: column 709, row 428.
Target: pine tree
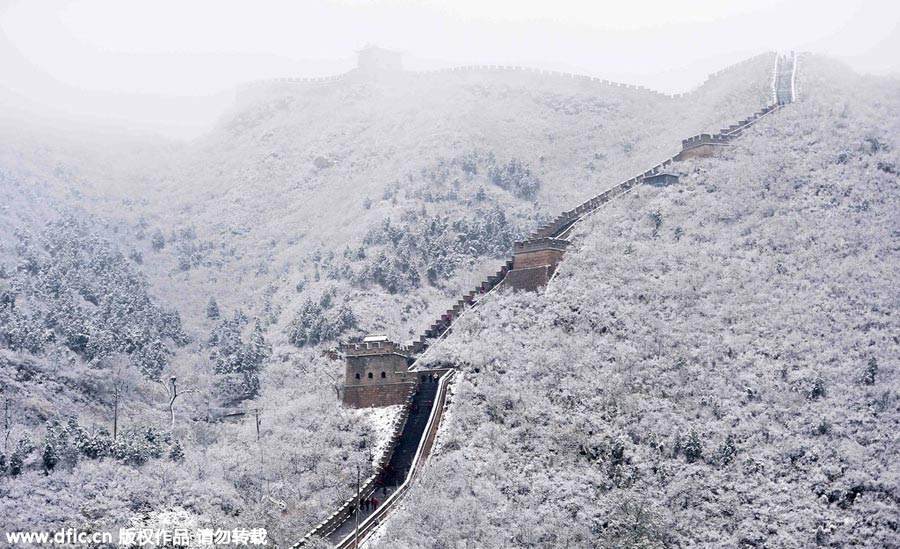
column 176, row 454
column 693, row 446
column 49, row 457
column 157, row 240
column 24, row 447
column 16, row 462
column 256, row 351
column 817, row 388
column 727, row 451
column 871, row 371
column 212, row 309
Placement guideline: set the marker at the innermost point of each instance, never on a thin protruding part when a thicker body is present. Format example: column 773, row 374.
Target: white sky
column 169, row 65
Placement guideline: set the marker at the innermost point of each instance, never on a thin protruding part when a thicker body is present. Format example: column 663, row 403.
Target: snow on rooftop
column 373, row 338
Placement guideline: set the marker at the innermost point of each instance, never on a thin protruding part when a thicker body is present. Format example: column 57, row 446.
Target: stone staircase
column 394, row 471
column 440, row 326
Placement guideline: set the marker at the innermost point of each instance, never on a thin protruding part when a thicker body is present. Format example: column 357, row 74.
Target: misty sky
column 170, row 65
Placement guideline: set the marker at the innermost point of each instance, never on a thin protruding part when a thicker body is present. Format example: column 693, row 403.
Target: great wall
column 250, row 89
column 380, row 372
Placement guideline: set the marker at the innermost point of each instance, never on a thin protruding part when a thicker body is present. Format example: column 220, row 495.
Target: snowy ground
column 381, row 421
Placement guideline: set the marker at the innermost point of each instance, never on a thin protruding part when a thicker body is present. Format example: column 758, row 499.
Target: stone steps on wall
column 467, row 300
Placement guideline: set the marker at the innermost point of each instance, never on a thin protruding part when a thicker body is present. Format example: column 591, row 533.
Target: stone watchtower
column 534, row 262
column 377, row 373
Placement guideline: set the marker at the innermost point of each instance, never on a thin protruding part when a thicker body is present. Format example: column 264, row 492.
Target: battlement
column 662, row 179
column 704, row 138
column 373, row 60
column 371, row 345
column 536, row 244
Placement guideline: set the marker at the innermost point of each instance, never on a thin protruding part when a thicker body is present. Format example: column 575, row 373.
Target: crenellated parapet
column 707, row 144
column 373, row 61
column 371, row 345
column 546, row 241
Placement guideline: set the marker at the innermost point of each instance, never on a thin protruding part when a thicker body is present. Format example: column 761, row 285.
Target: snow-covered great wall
column 341, row 527
column 249, row 90
column 560, row 227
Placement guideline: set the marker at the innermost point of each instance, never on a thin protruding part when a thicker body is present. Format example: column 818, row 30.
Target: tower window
column 383, row 375
column 370, row 375
column 357, row 376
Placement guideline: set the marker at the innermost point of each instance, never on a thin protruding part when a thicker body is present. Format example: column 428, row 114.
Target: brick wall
column 359, row 368
column 538, row 258
column 364, row 396
column 529, row 279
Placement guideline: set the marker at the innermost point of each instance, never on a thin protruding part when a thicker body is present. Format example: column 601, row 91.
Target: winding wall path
column 411, row 446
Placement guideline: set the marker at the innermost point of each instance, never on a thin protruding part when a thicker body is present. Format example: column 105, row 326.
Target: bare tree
column 119, row 389
column 173, row 393
column 7, row 424
column 123, row 377
column 335, row 383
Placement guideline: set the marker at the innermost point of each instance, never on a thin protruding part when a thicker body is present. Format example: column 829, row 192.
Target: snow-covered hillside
column 315, row 168
column 715, row 365
column 233, row 262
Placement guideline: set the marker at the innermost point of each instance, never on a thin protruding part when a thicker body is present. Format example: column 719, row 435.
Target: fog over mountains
column 713, row 365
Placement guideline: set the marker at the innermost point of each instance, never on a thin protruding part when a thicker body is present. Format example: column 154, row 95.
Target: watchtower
column 377, row 373
column 534, row 262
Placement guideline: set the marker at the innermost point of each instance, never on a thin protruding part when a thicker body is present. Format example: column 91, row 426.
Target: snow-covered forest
column 715, row 363
column 231, row 264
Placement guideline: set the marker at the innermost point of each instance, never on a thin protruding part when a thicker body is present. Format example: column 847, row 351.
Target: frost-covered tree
column 157, row 240
column 83, row 293
column 516, row 177
column 319, row 322
column 16, row 462
column 176, row 453
column 871, row 371
column 238, row 362
column 212, row 309
column 49, row 458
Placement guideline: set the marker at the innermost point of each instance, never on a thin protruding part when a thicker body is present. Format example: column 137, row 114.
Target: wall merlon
column 540, row 244
column 369, row 348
